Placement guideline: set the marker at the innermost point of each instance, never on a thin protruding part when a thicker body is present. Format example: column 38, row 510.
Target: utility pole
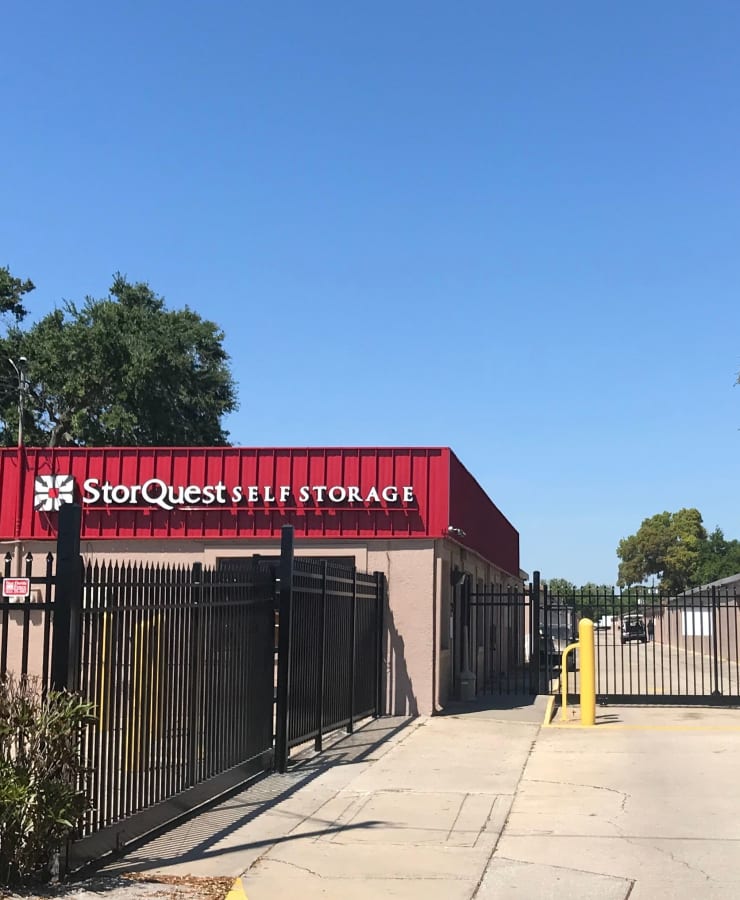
column 20, row 371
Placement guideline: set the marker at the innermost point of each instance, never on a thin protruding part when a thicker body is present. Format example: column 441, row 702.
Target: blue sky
column 511, row 228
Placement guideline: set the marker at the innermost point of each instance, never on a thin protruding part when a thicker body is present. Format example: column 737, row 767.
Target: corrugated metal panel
column 9, row 491
column 487, row 530
column 424, row 469
column 445, row 493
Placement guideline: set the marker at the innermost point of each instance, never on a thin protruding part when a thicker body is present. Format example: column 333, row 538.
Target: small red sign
column 16, row 587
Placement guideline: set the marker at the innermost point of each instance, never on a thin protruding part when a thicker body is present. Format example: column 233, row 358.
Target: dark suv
column 633, row 629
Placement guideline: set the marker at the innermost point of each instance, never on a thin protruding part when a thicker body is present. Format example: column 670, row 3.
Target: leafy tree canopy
column 673, row 547
column 719, row 558
column 595, row 599
column 122, row 370
column 668, row 545
column 560, row 587
column 12, row 292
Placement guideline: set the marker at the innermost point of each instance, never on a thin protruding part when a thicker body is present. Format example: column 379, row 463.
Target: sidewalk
column 486, row 804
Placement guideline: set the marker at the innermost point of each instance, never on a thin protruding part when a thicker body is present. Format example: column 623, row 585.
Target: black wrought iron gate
column 649, row 648
column 653, row 648
column 191, row 695
column 497, row 648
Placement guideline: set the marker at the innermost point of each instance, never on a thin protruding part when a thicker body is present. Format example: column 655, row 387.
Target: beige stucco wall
column 178, row 552
column 409, row 566
column 409, row 648
column 417, row 651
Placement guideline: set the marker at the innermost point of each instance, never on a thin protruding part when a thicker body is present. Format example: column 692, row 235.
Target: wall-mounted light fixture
column 458, row 578
column 457, row 532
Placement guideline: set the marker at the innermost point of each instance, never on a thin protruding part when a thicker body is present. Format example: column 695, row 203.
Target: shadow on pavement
column 514, row 707
column 196, row 837
column 607, row 719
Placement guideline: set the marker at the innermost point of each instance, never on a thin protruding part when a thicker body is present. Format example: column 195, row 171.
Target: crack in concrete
column 290, row 865
column 529, row 862
column 498, row 800
column 459, row 811
column 527, row 759
column 671, row 856
column 596, row 787
column 369, row 876
column 639, row 842
column 633, row 841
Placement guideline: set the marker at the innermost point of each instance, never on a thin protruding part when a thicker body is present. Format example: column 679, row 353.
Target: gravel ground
column 128, row 887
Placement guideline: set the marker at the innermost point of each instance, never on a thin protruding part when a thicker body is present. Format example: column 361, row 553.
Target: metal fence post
column 534, row 638
column 353, row 650
column 715, row 650
column 318, row 744
column 195, row 679
column 379, row 624
column 65, row 647
column 283, row 673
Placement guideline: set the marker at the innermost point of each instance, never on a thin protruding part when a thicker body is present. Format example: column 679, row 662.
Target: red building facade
column 230, row 493
column 414, row 513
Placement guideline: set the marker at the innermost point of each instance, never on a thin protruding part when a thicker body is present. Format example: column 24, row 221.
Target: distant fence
column 652, row 648
column 495, row 626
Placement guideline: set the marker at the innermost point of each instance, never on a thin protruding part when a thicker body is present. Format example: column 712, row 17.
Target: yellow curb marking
column 602, row 726
column 548, row 712
column 237, row 891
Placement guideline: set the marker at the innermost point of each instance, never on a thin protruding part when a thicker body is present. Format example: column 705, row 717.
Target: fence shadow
column 398, row 689
column 197, row 836
column 522, row 707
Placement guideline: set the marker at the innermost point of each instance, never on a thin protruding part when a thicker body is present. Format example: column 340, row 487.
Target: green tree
column 560, row 588
column 668, row 545
column 597, row 598
column 12, row 292
column 123, row 370
column 592, row 588
column 720, row 558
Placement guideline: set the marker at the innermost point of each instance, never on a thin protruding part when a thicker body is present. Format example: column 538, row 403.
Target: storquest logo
column 51, row 491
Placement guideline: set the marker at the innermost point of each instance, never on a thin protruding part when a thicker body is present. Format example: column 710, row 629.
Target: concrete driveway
column 486, row 803
column 648, row 795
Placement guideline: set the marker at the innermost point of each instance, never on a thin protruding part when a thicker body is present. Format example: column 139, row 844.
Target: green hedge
column 42, row 776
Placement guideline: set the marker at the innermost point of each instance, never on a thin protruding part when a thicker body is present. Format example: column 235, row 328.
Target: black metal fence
column 180, row 666
column 25, row 624
column 499, row 647
column 649, row 648
column 652, row 648
column 331, row 620
column 558, row 629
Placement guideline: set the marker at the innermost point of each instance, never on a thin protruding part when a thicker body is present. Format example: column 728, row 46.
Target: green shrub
column 42, row 776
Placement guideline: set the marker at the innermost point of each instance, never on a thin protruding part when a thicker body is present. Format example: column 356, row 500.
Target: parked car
column 548, row 652
column 633, row 629
column 551, row 649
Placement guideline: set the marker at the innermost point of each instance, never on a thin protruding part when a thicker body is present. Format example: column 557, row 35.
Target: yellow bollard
column 564, row 681
column 588, row 671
